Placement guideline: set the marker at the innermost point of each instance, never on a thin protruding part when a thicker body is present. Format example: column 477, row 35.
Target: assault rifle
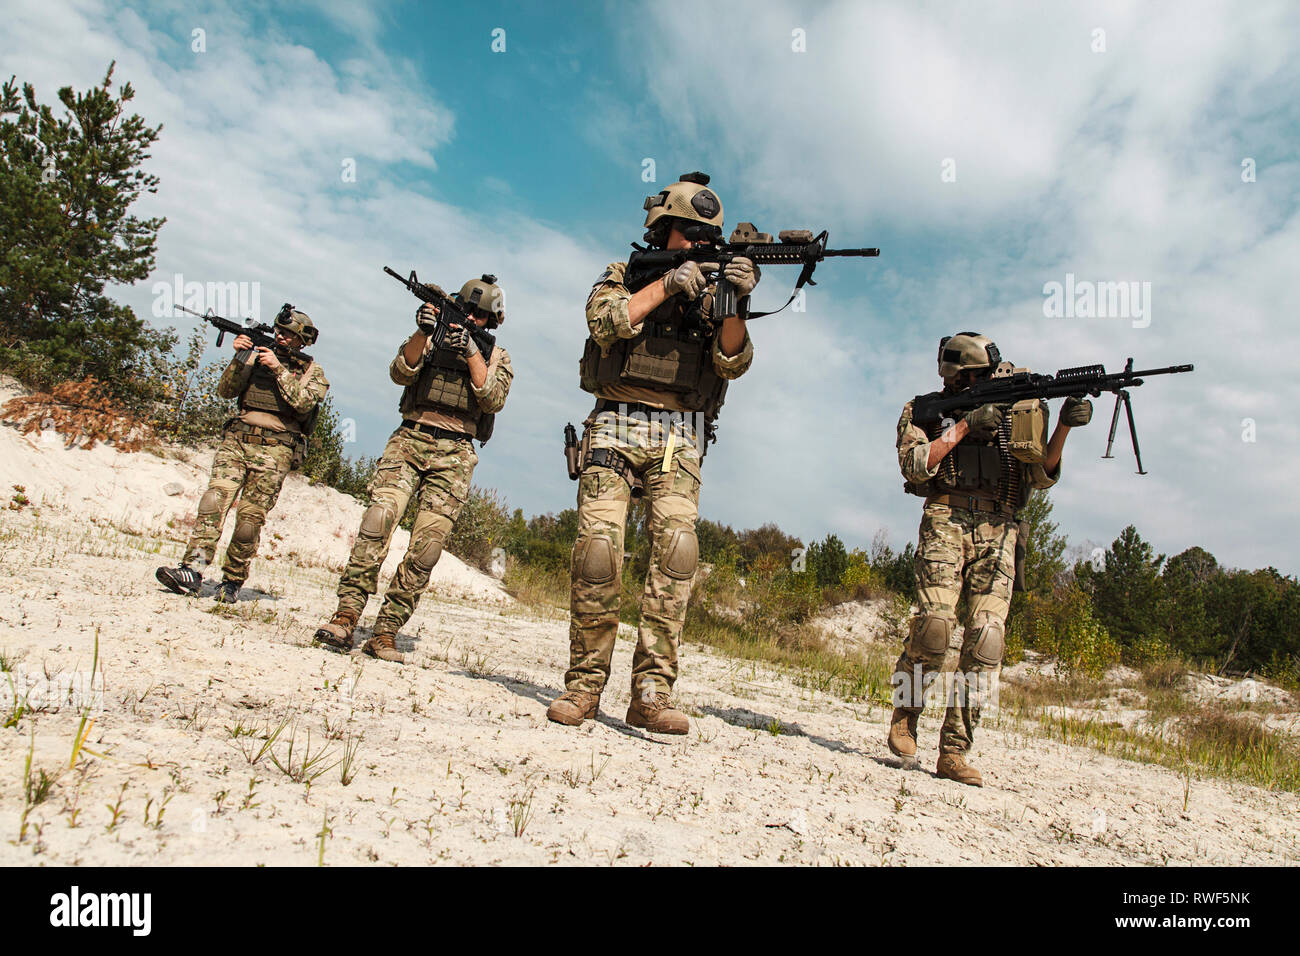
column 262, row 335
column 797, row 247
column 450, row 314
column 1080, row 381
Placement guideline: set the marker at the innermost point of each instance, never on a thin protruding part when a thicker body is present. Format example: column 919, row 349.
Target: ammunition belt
column 434, row 431
column 257, row 435
column 972, row 503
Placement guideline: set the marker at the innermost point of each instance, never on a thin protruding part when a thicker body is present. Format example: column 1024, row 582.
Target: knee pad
column 428, row 556
column 931, row 634
column 376, row 522
column 595, row 559
column 210, row 503
column 681, row 555
column 989, row 642
column 246, row 529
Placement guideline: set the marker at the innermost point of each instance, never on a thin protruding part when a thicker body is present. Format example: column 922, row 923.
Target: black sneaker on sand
column 182, row 579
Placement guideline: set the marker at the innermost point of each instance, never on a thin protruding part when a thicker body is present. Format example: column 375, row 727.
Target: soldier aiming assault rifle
column 261, row 334
column 797, row 247
column 1009, row 389
column 450, row 313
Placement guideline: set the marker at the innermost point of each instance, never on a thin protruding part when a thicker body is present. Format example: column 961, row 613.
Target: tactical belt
column 434, row 431
column 640, row 408
column 257, row 435
column 971, row 503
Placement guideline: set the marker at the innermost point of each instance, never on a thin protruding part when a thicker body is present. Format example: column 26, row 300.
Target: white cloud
column 1113, row 166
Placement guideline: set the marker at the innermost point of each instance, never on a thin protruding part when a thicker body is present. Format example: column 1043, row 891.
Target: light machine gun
column 1009, row 389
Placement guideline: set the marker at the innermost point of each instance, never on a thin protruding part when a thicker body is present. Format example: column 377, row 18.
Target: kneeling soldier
column 974, row 478
column 451, row 396
column 279, row 392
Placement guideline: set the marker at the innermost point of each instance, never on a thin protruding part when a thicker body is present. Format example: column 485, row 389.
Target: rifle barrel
column 1167, row 370
column 851, row 252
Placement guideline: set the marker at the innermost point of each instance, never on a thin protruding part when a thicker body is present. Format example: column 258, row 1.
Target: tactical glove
column 685, row 278
column 1076, row 412
column 984, row 422
column 426, row 317
column 742, row 274
column 459, row 340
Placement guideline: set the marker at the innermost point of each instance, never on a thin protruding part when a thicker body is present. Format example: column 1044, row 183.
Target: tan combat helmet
column 484, row 293
column 689, row 198
column 299, row 323
column 967, row 351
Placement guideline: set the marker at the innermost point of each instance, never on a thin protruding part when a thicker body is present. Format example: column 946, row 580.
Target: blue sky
column 1112, row 158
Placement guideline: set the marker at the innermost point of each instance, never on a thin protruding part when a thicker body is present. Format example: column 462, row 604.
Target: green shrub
column 1064, row 627
column 481, row 527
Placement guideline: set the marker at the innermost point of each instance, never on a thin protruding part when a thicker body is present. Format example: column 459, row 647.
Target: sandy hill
column 220, row 735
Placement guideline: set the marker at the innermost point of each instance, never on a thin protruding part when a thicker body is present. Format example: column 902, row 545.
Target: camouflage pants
column 437, row 471
column 960, row 552
column 254, row 473
column 597, row 564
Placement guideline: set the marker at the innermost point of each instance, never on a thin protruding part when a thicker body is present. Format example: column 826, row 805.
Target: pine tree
column 67, row 183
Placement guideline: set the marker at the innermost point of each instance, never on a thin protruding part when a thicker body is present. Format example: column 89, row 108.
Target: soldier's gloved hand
column 459, row 340
column 1076, row 412
column 742, row 274
column 686, row 278
column 984, row 422
column 426, row 317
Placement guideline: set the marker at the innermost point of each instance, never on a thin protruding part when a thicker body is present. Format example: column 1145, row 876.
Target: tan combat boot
column 656, row 716
column 902, row 733
column 955, row 767
column 337, row 634
column 384, row 647
column 573, row 707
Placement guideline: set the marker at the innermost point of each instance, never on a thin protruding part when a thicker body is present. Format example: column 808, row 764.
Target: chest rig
column 981, row 469
column 262, row 394
column 444, row 386
column 673, row 353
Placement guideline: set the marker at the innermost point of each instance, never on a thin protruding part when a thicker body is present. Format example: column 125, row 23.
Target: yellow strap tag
column 668, row 450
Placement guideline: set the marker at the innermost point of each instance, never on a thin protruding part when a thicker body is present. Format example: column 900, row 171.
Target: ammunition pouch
column 1028, row 440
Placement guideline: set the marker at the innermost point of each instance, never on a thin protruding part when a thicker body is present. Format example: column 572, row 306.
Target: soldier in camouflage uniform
column 974, row 478
column 279, row 391
column 450, row 396
column 658, row 362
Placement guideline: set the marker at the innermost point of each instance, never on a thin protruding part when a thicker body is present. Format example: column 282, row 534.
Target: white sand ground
column 454, row 759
